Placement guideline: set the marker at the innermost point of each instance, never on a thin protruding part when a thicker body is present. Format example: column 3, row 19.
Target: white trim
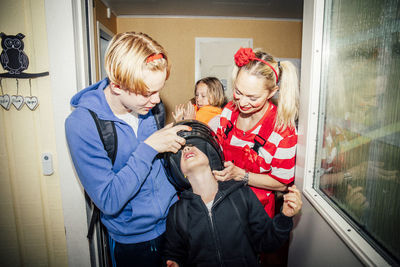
column 92, row 42
column 365, row 252
column 81, row 44
column 99, row 27
column 314, row 93
column 204, row 17
column 65, row 48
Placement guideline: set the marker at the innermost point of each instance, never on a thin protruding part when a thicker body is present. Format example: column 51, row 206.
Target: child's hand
column 179, row 113
column 190, row 112
column 292, row 202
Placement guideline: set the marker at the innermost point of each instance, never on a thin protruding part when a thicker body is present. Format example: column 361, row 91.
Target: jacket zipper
column 213, row 232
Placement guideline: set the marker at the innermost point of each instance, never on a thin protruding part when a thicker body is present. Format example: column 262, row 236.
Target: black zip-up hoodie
column 239, row 229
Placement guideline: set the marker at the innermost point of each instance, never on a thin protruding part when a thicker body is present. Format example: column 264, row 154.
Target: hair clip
column 115, row 85
column 244, row 55
column 154, row 57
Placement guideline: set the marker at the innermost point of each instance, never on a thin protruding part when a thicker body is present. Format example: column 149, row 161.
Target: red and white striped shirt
column 276, row 157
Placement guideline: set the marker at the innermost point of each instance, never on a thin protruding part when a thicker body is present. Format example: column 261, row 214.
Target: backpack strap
column 108, row 136
column 159, row 114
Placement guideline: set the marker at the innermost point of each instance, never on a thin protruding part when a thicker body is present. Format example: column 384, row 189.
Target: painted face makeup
column 249, row 93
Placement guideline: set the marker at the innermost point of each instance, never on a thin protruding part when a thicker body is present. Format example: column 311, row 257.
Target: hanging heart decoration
column 5, row 101
column 17, row 101
column 32, row 102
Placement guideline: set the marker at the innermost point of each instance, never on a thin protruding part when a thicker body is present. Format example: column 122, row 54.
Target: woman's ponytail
column 288, row 99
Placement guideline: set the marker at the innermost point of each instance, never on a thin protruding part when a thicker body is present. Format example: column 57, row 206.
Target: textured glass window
column 358, row 151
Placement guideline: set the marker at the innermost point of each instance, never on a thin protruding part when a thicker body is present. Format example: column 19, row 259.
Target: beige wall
column 100, row 15
column 31, row 220
column 177, row 35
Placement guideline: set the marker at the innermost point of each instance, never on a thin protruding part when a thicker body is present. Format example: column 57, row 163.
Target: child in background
column 209, row 99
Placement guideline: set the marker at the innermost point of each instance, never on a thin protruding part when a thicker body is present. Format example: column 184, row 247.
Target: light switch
column 47, row 164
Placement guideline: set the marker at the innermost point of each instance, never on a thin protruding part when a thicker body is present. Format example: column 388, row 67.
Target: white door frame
column 101, row 27
column 67, row 46
column 200, row 40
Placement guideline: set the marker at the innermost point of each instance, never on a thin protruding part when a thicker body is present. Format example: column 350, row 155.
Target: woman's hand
column 179, row 112
column 166, row 139
column 230, row 172
column 172, row 264
column 292, row 202
column 190, row 112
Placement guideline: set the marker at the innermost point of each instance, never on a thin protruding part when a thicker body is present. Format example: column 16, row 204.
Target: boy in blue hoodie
column 133, row 194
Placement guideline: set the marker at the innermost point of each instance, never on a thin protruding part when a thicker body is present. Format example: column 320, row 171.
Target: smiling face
column 202, row 95
column 142, row 104
column 192, row 158
column 250, row 93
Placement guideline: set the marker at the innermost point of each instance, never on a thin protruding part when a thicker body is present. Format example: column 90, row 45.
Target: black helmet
column 202, row 137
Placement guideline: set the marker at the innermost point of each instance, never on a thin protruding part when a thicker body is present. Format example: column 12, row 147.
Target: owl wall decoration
column 13, row 58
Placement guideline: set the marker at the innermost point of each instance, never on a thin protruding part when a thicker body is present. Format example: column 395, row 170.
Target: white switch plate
column 47, row 164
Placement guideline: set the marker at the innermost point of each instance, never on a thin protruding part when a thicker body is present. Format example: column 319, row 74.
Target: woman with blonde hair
column 258, row 134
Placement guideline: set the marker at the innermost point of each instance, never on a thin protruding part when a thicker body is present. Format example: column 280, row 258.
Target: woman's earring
column 185, row 176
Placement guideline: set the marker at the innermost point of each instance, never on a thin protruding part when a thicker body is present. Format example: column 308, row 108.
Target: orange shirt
column 206, row 113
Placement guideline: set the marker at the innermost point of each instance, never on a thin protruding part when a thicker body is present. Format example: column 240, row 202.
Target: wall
column 100, row 15
column 313, row 242
column 31, row 221
column 177, row 35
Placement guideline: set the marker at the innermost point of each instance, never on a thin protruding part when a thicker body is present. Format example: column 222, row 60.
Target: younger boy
column 220, row 223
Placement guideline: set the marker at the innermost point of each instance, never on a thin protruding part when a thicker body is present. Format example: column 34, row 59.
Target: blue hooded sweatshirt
column 134, row 195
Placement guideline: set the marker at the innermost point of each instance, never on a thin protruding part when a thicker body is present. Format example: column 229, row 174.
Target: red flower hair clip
column 244, row 55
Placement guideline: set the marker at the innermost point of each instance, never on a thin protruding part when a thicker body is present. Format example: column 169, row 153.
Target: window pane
column 358, row 152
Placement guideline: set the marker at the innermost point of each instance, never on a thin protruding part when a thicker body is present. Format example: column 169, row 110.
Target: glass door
column 358, row 150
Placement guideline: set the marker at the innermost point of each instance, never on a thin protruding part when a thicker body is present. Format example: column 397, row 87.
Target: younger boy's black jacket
column 239, row 229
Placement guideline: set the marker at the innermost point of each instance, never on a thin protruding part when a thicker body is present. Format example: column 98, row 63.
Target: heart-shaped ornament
column 32, row 102
column 17, row 101
column 5, row 101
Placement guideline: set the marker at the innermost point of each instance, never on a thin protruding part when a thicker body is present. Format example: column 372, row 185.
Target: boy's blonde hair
column 126, row 58
column 287, row 80
column 215, row 92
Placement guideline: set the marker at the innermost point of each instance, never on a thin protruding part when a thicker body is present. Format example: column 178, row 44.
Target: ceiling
column 278, row 9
